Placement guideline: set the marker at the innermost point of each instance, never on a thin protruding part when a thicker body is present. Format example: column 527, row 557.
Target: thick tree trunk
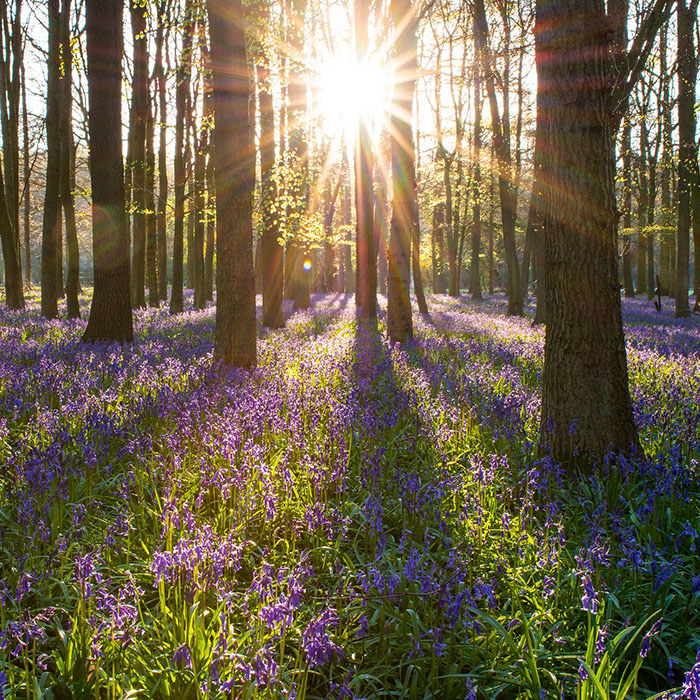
column 404, row 210
column 50, row 240
column 182, row 106
column 586, row 406
column 110, row 313
column 687, row 149
column 234, row 174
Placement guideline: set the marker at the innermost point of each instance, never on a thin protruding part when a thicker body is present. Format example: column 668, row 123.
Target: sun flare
column 350, row 91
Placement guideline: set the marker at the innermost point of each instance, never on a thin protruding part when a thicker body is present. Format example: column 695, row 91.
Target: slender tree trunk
column 687, row 149
column 27, row 185
column 211, row 229
column 234, row 173
column 366, row 287
column 182, row 106
column 67, row 166
column 52, row 211
column 666, row 243
column 110, row 313
column 151, row 217
column 474, row 267
column 404, row 210
column 381, row 210
column 162, row 157
column 627, row 206
column 271, row 251
column 586, row 406
column 506, row 187
column 138, row 143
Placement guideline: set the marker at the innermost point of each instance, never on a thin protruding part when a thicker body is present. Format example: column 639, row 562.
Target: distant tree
column 687, row 149
column 163, row 8
column 586, row 405
column 234, row 174
column 474, row 267
column 110, row 313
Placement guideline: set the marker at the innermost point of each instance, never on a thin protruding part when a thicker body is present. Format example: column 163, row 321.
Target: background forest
column 349, row 349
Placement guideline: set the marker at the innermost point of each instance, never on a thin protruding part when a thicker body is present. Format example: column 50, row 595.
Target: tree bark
column 506, row 187
column 151, row 218
column 234, row 175
column 50, row 240
column 687, row 149
column 474, row 266
column 404, row 210
column 182, row 106
column 67, row 165
column 139, row 102
column 586, row 406
column 271, row 251
column 110, row 313
column 161, row 220
column 627, row 207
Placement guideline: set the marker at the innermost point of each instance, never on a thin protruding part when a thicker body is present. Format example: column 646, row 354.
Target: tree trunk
column 506, row 187
column 627, row 207
column 381, row 210
column 666, row 242
column 52, row 212
column 404, row 210
column 586, row 406
column 110, row 313
column 161, row 220
column 182, row 106
column 211, row 229
column 687, row 150
column 366, row 287
column 271, row 252
column 139, row 102
column 27, row 185
column 151, row 218
column 474, row 267
column 234, row 175
column 67, row 165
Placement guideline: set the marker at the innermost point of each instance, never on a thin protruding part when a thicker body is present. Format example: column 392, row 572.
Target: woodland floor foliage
column 349, row 520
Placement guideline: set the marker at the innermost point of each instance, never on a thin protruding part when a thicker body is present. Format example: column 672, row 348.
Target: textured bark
column 586, row 407
column 182, row 106
column 381, row 209
column 51, row 225
column 110, row 313
column 234, row 175
column 67, row 165
column 404, row 210
column 687, row 149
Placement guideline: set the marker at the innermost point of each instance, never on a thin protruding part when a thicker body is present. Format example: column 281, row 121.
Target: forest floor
column 349, row 520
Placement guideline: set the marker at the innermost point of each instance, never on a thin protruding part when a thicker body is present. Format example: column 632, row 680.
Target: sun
column 350, row 91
